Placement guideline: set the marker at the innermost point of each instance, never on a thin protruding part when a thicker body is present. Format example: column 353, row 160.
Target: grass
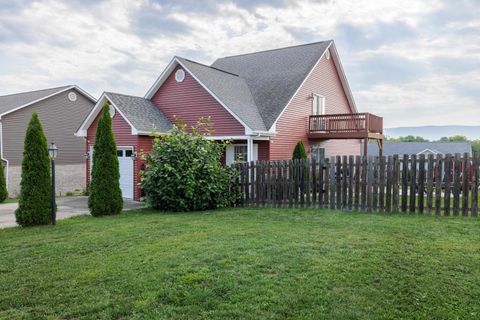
column 243, row 264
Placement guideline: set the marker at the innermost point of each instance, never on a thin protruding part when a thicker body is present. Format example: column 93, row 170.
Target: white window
column 318, row 105
column 238, row 153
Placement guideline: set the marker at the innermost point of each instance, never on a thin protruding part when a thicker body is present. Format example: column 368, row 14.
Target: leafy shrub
column 3, row 183
column 299, row 151
column 35, row 200
column 183, row 171
column 105, row 194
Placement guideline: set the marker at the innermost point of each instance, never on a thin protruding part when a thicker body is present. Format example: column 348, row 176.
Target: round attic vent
column 72, row 96
column 111, row 110
column 180, row 75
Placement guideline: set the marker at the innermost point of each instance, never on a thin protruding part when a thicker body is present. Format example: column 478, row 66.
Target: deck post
column 365, row 146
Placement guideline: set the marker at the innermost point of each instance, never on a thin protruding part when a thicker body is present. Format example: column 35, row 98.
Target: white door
column 125, row 162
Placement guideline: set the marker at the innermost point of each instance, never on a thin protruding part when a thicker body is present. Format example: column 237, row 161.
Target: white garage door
column 125, row 162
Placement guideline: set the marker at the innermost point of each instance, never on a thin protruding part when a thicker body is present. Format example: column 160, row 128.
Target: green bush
column 34, row 203
column 299, row 151
column 183, row 171
column 105, row 195
column 3, row 184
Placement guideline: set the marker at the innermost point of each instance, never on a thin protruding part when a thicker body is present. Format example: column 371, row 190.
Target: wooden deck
column 364, row 126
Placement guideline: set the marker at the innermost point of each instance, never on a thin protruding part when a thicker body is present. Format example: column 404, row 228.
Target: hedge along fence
column 441, row 185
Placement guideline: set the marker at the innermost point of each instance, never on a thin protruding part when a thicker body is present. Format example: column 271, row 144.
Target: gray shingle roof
column 231, row 89
column 391, row 148
column 141, row 112
column 273, row 76
column 12, row 101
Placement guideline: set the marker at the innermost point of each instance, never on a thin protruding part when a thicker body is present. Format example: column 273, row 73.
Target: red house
column 264, row 101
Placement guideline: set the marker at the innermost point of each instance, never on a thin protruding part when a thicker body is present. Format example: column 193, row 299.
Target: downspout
column 1, row 153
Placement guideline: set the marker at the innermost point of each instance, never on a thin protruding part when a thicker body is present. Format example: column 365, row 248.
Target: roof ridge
column 207, row 66
column 24, row 92
column 125, row 95
column 276, row 49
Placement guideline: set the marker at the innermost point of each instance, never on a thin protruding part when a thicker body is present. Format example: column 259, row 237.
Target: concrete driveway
column 66, row 207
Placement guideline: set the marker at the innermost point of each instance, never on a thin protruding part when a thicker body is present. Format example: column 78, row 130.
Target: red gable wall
column 190, row 101
column 293, row 124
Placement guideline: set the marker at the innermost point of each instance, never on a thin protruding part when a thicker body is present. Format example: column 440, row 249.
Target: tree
column 457, row 138
column 183, row 171
column 299, row 151
column 3, row 183
column 408, row 138
column 105, row 194
column 34, row 204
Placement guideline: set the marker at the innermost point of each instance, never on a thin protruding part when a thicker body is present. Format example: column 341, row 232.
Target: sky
column 414, row 62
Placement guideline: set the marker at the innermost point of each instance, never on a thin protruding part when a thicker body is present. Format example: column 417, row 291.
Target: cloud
column 399, row 56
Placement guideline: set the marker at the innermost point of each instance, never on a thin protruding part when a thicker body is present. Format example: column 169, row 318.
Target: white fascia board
column 85, row 93
column 340, row 72
column 245, row 137
column 35, row 101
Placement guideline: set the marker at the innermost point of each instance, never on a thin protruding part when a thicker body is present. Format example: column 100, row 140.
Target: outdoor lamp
column 52, row 152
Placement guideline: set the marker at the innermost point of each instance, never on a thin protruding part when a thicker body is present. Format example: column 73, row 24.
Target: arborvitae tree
column 299, row 151
column 105, row 195
column 34, row 205
column 3, row 184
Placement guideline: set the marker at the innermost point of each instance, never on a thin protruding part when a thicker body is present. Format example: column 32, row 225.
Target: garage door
column 125, row 162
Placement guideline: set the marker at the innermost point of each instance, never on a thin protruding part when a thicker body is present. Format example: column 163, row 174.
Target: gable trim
column 83, row 129
column 167, row 72
column 343, row 79
column 86, row 94
column 431, row 150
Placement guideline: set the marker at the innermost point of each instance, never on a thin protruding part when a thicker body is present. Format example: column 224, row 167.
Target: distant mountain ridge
column 434, row 132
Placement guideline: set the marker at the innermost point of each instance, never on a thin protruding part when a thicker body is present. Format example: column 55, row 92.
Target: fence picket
column 326, row 185
column 388, row 195
column 404, row 182
column 351, row 164
column 344, row 181
column 448, row 186
column 363, row 181
column 395, row 181
column 338, row 179
column 381, row 184
column 456, row 185
column 332, row 183
column 421, row 183
column 475, row 176
column 430, row 183
column 413, row 183
column 375, row 184
column 438, row 184
column 465, row 189
column 357, row 182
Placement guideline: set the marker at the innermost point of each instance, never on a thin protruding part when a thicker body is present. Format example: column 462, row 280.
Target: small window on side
column 318, row 104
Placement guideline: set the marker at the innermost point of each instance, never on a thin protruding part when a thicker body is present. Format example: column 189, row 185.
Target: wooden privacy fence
column 441, row 185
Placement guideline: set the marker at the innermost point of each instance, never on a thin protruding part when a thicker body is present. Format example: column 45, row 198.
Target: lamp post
column 52, row 152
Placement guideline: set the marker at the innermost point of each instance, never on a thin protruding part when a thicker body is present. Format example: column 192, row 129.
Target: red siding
column 293, row 124
column 190, row 101
column 123, row 138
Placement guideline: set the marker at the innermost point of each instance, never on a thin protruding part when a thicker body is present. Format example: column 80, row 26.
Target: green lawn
column 243, row 264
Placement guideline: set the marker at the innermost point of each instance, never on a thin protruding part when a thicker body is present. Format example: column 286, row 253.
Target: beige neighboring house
column 61, row 111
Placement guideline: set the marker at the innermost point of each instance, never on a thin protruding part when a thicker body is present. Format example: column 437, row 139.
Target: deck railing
column 344, row 123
